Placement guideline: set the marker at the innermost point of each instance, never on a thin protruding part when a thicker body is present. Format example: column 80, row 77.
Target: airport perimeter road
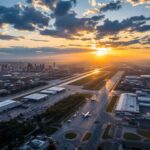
column 58, row 82
column 81, row 125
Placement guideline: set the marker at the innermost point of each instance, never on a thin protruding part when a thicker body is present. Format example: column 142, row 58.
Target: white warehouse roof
column 127, row 103
column 144, row 99
column 145, row 76
column 7, row 104
column 36, row 96
column 132, row 77
column 56, row 88
column 144, row 104
column 48, row 92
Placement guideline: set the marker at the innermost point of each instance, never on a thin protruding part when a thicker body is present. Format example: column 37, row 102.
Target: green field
column 106, row 132
column 70, row 135
column 131, row 136
column 86, row 137
column 112, row 103
column 144, row 133
column 63, row 108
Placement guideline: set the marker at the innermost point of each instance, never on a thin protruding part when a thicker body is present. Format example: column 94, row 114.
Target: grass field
column 106, row 132
column 112, row 103
column 70, row 135
column 131, row 136
column 145, row 133
column 86, row 137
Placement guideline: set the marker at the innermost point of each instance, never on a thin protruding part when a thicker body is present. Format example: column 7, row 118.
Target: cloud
column 112, row 6
column 138, row 2
column 148, row 7
column 47, row 3
column 63, row 7
column 9, row 37
column 136, row 23
column 69, row 25
column 58, row 6
column 26, row 52
column 118, row 43
column 91, row 12
column 93, row 3
column 23, row 18
column 37, row 40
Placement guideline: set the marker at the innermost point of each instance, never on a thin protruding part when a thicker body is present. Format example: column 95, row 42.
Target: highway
column 53, row 83
column 81, row 125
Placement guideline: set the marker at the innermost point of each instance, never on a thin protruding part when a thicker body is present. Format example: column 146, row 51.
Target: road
column 53, row 83
column 81, row 125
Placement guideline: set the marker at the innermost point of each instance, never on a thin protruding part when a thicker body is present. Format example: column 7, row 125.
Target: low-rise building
column 36, row 144
column 58, row 89
column 36, row 97
column 48, row 92
column 127, row 104
column 8, row 104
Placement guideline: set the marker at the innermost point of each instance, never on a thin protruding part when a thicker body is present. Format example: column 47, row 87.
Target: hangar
column 36, row 97
column 8, row 104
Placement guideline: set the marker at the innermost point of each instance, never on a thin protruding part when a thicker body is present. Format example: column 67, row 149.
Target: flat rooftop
column 127, row 103
column 48, row 92
column 7, row 102
column 56, row 88
column 36, row 96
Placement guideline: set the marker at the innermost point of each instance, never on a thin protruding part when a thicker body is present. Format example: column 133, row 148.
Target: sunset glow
column 102, row 51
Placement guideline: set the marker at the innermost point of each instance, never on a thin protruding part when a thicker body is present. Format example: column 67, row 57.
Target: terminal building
column 8, row 104
column 131, row 103
column 35, row 97
column 127, row 104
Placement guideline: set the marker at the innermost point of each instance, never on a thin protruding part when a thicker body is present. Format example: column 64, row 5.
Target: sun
column 102, row 51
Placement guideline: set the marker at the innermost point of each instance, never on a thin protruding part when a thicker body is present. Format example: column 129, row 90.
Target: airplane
column 85, row 115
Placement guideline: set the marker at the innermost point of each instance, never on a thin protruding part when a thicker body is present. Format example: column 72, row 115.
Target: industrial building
column 56, row 89
column 36, row 97
column 127, row 104
column 8, row 104
column 36, row 144
column 131, row 103
column 48, row 92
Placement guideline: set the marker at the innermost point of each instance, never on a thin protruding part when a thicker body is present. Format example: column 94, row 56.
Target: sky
column 39, row 29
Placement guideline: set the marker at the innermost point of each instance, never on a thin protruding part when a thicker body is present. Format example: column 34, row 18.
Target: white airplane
column 85, row 115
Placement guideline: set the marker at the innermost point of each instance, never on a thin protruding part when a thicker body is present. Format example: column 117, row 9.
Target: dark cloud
column 68, row 25
column 9, row 37
column 137, row 40
column 38, row 40
column 59, row 7
column 23, row 18
column 111, row 6
column 48, row 3
column 63, row 7
column 26, row 52
column 136, row 23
